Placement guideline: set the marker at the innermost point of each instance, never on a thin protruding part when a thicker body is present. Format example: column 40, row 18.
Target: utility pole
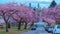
column 29, row 4
column 38, row 5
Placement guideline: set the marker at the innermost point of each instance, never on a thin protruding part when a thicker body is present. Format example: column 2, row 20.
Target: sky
column 43, row 3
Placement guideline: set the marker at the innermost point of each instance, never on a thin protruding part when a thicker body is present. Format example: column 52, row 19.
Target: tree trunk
column 6, row 26
column 19, row 26
column 32, row 24
column 6, row 21
column 25, row 26
column 49, row 24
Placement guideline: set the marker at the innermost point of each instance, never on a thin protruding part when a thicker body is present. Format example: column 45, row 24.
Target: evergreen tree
column 53, row 4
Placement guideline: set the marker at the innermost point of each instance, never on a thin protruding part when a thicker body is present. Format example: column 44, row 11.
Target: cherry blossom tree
column 6, row 12
column 27, row 14
column 19, row 13
column 51, row 15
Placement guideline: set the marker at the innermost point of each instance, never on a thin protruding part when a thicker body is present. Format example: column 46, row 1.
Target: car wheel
column 53, row 33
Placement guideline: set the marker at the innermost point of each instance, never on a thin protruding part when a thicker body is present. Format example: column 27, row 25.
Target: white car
column 56, row 29
column 49, row 29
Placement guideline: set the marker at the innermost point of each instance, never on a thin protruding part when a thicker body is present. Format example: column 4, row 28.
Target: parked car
column 41, row 24
column 56, row 29
column 34, row 27
column 49, row 29
column 46, row 28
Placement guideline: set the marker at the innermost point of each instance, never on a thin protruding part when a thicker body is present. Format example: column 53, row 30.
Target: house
column 2, row 22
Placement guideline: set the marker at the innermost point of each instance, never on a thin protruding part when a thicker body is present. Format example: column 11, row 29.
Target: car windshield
column 58, row 26
column 34, row 26
column 50, row 27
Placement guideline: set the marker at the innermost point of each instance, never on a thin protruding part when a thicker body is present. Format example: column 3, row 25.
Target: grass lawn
column 12, row 31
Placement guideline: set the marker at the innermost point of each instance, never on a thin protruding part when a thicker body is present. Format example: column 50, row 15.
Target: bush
column 8, row 24
column 1, row 27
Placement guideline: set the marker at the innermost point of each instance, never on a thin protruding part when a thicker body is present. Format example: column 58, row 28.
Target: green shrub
column 1, row 27
column 8, row 24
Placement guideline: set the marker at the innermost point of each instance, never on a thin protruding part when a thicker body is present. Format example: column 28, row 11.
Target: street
column 39, row 30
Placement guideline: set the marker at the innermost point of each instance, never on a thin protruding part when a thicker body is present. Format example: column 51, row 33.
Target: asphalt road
column 38, row 31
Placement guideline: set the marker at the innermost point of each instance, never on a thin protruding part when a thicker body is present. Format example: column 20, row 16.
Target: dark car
column 49, row 29
column 34, row 27
column 46, row 28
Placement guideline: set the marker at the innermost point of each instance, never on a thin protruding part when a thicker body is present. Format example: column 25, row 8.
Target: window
column 58, row 26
